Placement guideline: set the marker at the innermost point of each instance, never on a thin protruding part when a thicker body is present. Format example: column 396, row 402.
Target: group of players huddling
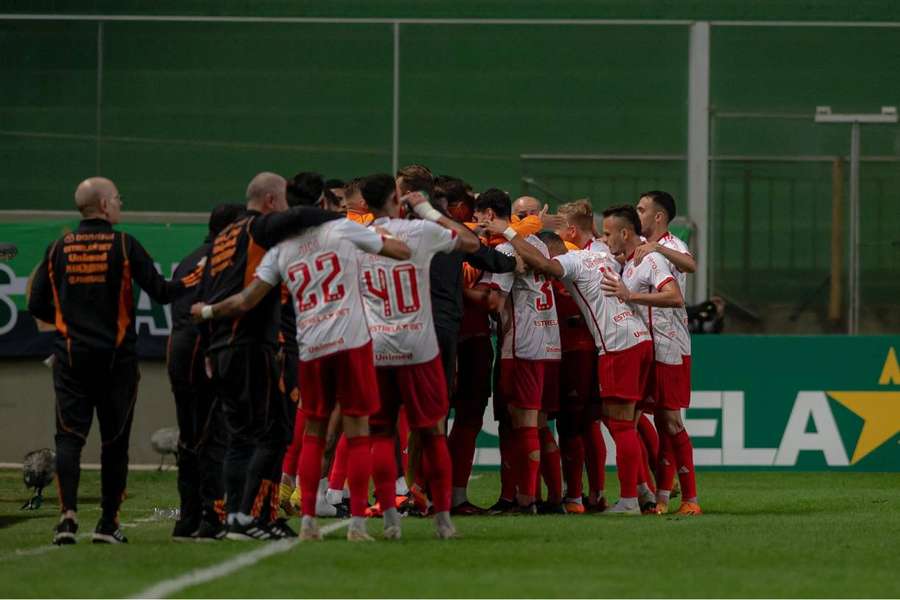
column 393, row 305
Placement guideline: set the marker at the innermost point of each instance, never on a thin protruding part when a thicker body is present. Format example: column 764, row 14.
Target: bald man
column 243, row 353
column 84, row 286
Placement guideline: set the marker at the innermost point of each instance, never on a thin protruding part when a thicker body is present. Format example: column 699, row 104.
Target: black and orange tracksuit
column 84, row 287
column 243, row 353
column 201, row 439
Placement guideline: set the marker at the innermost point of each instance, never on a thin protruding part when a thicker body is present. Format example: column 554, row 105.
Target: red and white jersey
column 529, row 321
column 397, row 294
column 674, row 243
column 321, row 270
column 615, row 325
column 668, row 326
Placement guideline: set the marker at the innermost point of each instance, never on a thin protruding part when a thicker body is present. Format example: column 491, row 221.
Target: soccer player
column 243, row 355
column 357, row 209
column 530, row 354
column 397, row 299
column 83, row 286
column 649, row 286
column 201, row 444
column 672, row 391
column 321, row 269
column 621, row 338
column 580, row 436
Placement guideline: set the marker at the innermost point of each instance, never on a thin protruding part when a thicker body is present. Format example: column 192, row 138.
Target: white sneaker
column 309, row 530
column 624, row 506
column 392, row 532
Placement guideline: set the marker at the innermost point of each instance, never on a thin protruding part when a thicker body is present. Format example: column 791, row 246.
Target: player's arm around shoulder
column 466, row 241
column 372, row 239
column 529, row 253
column 683, row 261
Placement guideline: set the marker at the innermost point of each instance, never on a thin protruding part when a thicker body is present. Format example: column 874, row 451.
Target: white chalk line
column 169, row 587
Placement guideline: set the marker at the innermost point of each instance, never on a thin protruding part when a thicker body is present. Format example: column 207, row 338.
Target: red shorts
column 346, row 378
column 578, row 380
column 475, row 358
column 626, row 373
column 672, row 385
column 530, row 384
column 421, row 388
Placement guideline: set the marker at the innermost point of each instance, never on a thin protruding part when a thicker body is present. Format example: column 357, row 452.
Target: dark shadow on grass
column 10, row 520
column 773, row 511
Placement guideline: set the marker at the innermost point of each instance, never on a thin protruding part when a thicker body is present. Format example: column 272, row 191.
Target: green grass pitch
column 764, row 535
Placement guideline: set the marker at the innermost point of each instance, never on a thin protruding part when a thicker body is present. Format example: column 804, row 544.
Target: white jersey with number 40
column 529, row 321
column 321, row 269
column 397, row 294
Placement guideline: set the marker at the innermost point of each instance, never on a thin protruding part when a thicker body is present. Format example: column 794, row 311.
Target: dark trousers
column 201, row 436
column 257, row 423
column 86, row 382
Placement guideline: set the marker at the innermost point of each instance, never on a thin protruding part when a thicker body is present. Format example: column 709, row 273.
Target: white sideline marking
column 232, row 565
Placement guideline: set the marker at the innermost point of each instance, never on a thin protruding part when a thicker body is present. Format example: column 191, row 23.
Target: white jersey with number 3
column 529, row 321
column 397, row 294
column 668, row 326
column 321, row 269
column 615, row 325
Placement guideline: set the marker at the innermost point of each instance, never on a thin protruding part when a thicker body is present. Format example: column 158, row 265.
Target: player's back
column 531, row 328
column 397, row 294
column 321, row 269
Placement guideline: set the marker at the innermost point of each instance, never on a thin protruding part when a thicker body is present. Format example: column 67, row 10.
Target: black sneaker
column 254, row 530
column 108, row 532
column 467, row 509
column 210, row 530
column 343, row 509
column 281, row 529
column 502, row 507
column 528, row 509
column 185, row 529
column 65, row 531
column 548, row 508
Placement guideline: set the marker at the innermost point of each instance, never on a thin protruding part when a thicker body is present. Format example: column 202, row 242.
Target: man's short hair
column 549, row 238
column 376, row 189
column 579, row 213
column 353, row 186
column 453, row 189
column 627, row 213
column 663, row 200
column 496, row 200
column 331, row 184
column 305, row 189
column 222, row 216
column 417, row 178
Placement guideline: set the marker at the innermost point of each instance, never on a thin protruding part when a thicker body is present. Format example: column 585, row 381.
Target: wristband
column 206, row 312
column 427, row 211
column 509, row 233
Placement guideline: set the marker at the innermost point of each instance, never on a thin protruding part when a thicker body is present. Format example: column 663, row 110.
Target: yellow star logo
column 880, row 411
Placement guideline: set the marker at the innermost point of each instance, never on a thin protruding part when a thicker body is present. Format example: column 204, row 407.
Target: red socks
column 291, row 459
column 595, row 457
column 358, row 466
column 644, row 475
column 665, row 469
column 572, row 448
column 650, row 440
column 338, row 474
column 684, row 458
column 551, row 466
column 384, row 470
column 310, row 472
column 437, row 468
column 628, row 455
column 461, row 444
column 529, row 459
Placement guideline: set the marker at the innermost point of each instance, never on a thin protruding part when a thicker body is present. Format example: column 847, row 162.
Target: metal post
column 99, row 100
column 836, row 296
column 853, row 274
column 395, row 142
column 698, row 153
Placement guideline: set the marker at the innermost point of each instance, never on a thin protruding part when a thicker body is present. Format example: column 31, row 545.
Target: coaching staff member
column 84, row 287
column 243, row 354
